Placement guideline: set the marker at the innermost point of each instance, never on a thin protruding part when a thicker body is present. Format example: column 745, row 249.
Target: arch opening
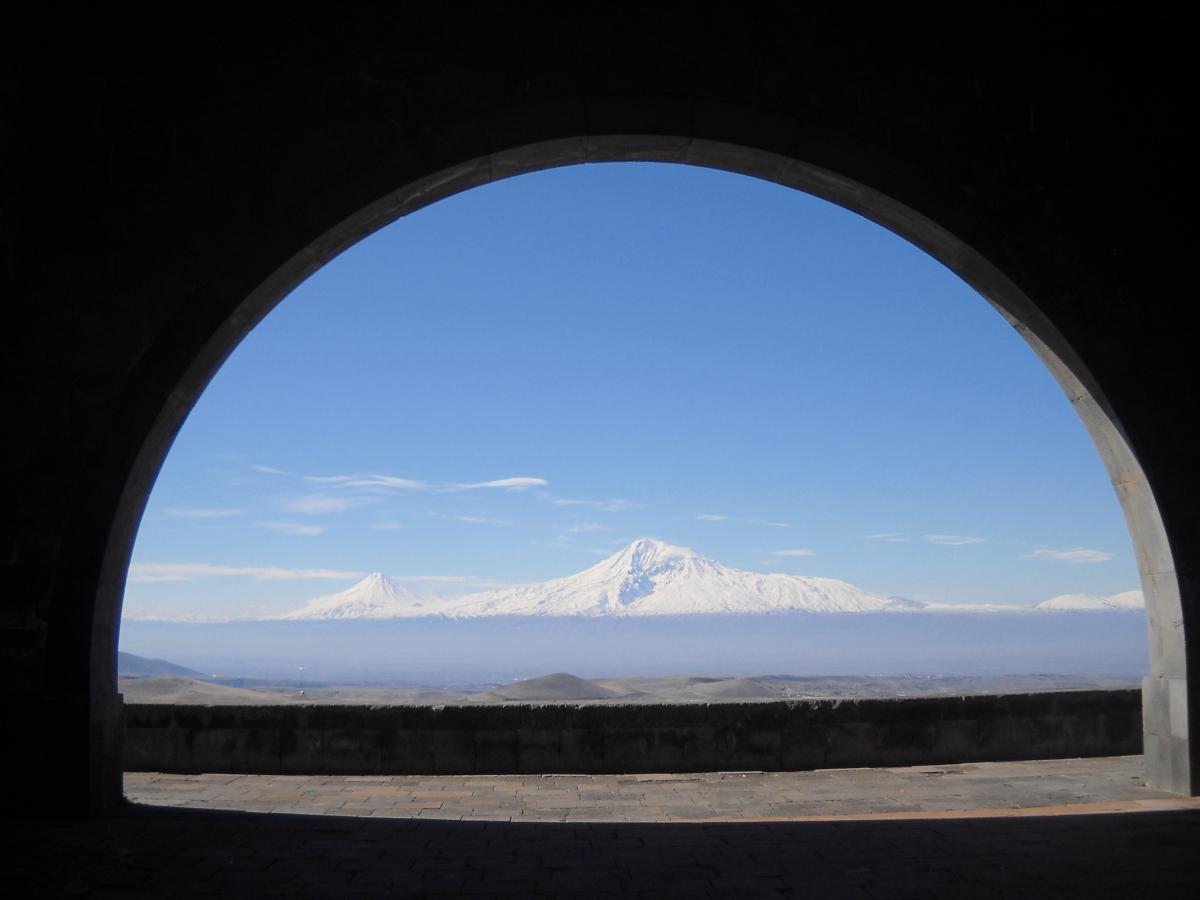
column 1145, row 526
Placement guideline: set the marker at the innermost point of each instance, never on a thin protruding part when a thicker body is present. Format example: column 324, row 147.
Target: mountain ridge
column 650, row 577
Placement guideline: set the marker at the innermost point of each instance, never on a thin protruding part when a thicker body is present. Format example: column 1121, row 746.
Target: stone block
column 1156, row 705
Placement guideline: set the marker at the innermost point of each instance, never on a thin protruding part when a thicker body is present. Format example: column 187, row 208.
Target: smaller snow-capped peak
column 375, row 597
column 1092, row 602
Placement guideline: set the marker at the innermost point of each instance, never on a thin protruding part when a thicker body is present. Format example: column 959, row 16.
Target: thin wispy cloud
column 147, row 572
column 795, row 551
column 566, row 540
column 321, row 504
column 617, row 504
column 953, row 540
column 298, row 529
column 1074, row 555
column 270, row 470
column 747, row 520
column 204, row 513
column 471, row 520
column 518, row 483
column 889, row 537
column 558, row 542
column 369, row 480
column 383, row 482
column 585, row 528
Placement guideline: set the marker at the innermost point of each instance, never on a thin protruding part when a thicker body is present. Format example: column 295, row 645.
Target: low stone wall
column 773, row 736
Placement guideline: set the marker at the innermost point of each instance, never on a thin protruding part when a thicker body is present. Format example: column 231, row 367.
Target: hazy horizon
column 504, row 648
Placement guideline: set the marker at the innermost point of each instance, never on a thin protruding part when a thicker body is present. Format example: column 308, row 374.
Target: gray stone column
column 1171, row 759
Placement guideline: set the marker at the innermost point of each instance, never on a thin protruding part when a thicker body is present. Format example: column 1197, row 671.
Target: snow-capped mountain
column 651, row 578
column 1086, row 602
column 375, row 597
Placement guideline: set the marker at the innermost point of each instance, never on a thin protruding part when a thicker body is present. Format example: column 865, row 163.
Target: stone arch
column 184, row 366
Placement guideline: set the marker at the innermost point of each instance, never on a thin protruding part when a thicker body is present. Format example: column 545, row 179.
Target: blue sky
column 518, row 380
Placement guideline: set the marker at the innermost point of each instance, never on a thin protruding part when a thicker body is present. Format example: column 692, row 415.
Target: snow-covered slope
column 375, row 597
column 1090, row 602
column 651, row 578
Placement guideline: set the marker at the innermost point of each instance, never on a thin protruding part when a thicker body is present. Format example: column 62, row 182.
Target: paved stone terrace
column 1080, row 785
column 871, row 842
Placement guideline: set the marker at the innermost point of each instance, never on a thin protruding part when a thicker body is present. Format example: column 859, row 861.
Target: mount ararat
column 653, row 578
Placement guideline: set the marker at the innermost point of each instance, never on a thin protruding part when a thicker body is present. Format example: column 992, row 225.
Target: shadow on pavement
column 157, row 851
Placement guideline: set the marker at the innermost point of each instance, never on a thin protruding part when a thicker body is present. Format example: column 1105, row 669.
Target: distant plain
column 161, row 682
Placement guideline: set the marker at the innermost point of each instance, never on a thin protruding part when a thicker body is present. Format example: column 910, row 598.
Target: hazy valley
column 157, row 681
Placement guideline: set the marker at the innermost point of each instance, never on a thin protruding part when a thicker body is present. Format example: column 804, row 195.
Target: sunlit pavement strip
column 1041, row 787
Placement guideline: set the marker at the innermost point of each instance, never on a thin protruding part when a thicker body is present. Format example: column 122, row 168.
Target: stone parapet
column 610, row 738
